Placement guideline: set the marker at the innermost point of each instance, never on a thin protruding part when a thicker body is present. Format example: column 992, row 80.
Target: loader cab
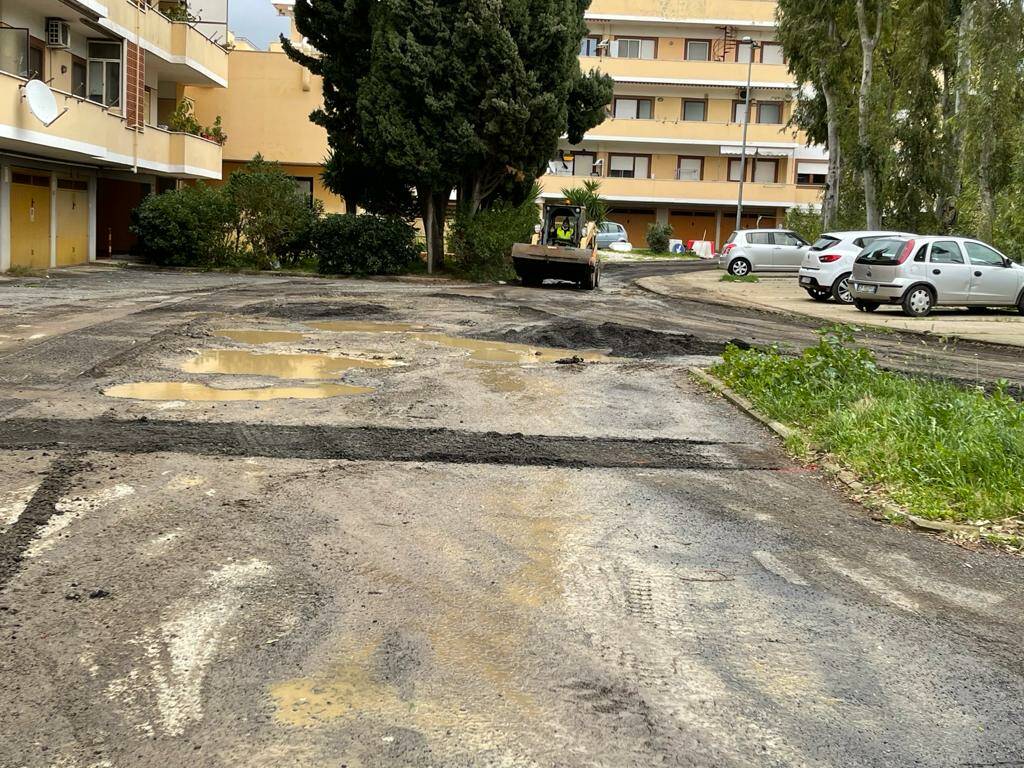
column 563, row 225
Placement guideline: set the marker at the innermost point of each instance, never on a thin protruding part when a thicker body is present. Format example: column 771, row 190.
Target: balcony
column 725, row 73
column 91, row 134
column 756, row 11
column 690, row 132
column 672, row 192
column 196, row 59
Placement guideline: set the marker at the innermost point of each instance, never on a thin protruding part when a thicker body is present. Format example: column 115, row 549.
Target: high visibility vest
column 564, row 234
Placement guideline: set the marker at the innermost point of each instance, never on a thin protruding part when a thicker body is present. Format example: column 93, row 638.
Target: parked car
column 762, row 250
column 828, row 264
column 609, row 232
column 921, row 273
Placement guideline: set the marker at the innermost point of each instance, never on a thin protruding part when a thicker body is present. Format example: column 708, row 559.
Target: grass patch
column 939, row 450
column 21, row 271
column 727, row 278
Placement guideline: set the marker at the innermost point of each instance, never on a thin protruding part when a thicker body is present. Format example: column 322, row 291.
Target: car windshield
column 885, row 251
column 823, row 242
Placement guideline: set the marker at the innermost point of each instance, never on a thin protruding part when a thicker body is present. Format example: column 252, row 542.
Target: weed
column 19, row 270
column 937, row 449
column 739, row 279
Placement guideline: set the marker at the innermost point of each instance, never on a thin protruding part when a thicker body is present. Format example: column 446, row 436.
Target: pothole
column 279, row 366
column 621, row 340
column 195, row 392
column 257, row 337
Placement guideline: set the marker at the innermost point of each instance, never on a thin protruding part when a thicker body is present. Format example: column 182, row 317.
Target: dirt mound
column 317, row 310
column 622, row 340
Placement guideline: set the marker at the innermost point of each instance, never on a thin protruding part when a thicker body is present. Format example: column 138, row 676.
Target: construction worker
column 565, row 231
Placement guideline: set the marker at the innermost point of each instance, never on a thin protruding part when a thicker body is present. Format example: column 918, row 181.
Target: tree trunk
column 434, row 205
column 830, row 201
column 867, row 160
column 950, row 209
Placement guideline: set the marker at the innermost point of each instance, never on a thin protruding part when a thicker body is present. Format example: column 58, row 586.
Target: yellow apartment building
column 670, row 148
column 114, row 70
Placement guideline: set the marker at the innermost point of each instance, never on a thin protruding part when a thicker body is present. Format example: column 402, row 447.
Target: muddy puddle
column 357, row 326
column 279, row 366
column 194, row 392
column 506, row 352
column 255, row 336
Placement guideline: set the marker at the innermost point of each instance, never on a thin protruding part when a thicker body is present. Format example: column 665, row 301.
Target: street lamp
column 746, row 123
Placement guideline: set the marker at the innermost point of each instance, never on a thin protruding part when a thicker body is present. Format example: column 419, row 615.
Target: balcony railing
column 697, row 72
column 693, row 131
column 682, row 191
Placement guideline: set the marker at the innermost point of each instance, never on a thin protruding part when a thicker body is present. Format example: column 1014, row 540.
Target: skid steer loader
column 563, row 247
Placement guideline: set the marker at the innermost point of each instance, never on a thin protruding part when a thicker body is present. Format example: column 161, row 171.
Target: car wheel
column 739, row 268
column 918, row 301
column 818, row 294
column 865, row 306
column 841, row 290
column 1020, row 304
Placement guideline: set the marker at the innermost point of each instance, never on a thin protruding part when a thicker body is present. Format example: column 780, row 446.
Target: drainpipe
column 138, row 72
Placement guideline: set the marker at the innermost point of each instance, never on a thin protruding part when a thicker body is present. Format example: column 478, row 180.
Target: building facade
column 670, row 149
column 117, row 69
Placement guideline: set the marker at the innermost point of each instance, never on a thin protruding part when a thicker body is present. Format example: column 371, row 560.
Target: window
column 698, row 50
column 690, row 169
column 771, row 53
column 743, row 51
column 104, row 78
column 734, row 169
column 579, row 164
column 695, row 110
column 739, row 111
column 634, row 109
column 825, row 242
column 769, row 112
column 14, row 51
column 984, row 256
column 788, row 238
column 921, row 254
column 811, row 174
column 36, row 59
column 766, row 171
column 759, row 238
column 633, row 48
column 305, row 185
column 629, row 166
column 588, row 46
column 946, row 252
column 78, row 77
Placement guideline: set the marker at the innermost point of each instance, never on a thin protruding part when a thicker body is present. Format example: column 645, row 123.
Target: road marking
column 772, row 564
column 873, row 584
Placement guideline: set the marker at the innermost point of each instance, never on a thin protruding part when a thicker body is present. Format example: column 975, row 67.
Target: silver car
column 609, row 232
column 763, row 250
column 924, row 272
column 828, row 264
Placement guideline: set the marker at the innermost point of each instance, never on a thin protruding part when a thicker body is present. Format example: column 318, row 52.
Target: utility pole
column 746, row 123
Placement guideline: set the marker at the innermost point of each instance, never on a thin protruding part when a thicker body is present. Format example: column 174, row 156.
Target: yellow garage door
column 30, row 220
column 72, row 222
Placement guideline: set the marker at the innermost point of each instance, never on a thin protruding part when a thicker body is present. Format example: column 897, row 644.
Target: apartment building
column 670, row 149
column 116, row 70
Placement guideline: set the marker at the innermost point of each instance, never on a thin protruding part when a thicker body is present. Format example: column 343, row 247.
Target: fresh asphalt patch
column 621, row 340
column 379, row 444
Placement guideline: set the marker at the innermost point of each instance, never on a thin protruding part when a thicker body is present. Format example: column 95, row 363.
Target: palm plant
column 590, row 198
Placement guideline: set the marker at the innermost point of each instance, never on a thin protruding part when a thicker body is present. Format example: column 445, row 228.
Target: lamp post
column 746, row 123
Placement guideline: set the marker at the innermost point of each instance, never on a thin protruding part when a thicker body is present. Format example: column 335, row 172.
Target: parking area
column 780, row 293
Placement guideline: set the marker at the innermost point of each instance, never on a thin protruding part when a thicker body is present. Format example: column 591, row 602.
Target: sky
column 256, row 20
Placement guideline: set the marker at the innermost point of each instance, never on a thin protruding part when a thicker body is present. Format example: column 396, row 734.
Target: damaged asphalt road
column 252, row 521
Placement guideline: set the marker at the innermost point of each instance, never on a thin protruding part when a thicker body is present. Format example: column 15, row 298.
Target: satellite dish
column 41, row 102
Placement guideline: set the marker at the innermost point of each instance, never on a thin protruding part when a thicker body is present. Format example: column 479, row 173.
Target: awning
column 757, row 151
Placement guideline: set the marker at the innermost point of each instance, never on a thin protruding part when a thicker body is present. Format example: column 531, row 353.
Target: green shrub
column 187, row 227
column 482, row 243
column 273, row 218
column 939, row 449
column 589, row 196
column 805, row 222
column 658, row 236
column 347, row 244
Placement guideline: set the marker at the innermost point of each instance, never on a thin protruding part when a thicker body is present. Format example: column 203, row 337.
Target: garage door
column 72, row 222
column 30, row 220
column 635, row 222
column 692, row 225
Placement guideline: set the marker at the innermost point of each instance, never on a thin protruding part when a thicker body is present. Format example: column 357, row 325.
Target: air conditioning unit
column 58, row 33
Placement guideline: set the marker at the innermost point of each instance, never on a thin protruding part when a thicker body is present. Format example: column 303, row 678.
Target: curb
column 843, row 475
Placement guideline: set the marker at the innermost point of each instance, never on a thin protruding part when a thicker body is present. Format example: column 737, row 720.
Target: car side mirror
column 1007, row 262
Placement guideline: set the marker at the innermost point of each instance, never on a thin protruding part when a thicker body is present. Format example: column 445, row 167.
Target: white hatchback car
column 924, row 272
column 827, row 266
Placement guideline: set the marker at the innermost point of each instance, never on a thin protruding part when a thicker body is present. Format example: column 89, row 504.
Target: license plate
column 865, row 288
column 806, row 281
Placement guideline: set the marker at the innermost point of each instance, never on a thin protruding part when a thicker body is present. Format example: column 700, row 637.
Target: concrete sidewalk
column 781, row 294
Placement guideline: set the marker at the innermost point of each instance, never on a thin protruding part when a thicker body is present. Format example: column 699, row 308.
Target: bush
column 805, row 222
column 365, row 244
column 589, row 196
column 658, row 236
column 187, row 227
column 273, row 218
column 482, row 243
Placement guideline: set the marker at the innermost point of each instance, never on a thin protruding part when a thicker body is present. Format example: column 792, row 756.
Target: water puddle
column 191, row 391
column 506, row 352
column 280, row 366
column 501, row 379
column 254, row 336
column 359, row 326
